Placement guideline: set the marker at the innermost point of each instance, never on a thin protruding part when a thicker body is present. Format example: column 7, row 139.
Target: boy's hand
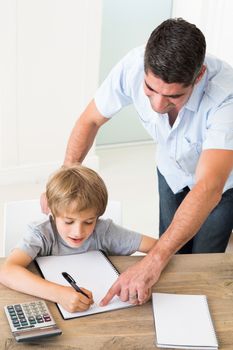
column 73, row 301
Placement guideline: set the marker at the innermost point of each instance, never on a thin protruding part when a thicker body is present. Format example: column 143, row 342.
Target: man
column 185, row 101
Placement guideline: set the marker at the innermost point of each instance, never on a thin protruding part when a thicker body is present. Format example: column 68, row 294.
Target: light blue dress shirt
column 204, row 122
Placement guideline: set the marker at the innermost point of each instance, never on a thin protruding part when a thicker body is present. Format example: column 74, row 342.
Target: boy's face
column 74, row 229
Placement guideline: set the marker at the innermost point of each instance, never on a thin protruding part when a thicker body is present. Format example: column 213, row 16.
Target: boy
column 77, row 197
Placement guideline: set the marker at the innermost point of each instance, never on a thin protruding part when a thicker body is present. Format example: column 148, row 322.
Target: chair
column 16, row 217
column 18, row 214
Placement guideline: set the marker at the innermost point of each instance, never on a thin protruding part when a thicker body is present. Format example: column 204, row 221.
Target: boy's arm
column 146, row 244
column 29, row 283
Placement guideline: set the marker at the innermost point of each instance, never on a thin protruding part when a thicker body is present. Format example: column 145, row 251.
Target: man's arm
column 212, row 172
column 83, row 134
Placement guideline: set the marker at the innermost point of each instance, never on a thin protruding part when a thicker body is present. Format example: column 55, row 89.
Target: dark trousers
column 215, row 232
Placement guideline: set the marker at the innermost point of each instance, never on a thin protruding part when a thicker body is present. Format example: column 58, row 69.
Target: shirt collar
column 197, row 93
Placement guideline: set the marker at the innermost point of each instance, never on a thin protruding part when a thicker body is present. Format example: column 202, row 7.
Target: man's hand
column 44, row 204
column 134, row 285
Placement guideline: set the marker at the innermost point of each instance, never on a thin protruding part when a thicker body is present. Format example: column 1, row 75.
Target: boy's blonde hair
column 76, row 188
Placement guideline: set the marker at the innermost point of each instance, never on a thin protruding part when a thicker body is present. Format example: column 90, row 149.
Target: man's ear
column 200, row 74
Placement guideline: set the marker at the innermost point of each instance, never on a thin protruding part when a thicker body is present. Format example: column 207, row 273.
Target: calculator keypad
column 28, row 315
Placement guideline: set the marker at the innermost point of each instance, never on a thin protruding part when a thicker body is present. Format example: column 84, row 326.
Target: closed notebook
column 91, row 270
column 183, row 322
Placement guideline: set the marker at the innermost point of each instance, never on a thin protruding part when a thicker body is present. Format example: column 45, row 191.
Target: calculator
column 31, row 321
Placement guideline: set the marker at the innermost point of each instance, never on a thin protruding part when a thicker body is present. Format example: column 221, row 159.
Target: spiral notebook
column 91, row 270
column 183, row 322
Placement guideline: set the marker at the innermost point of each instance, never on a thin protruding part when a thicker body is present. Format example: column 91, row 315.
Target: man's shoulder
column 134, row 58
column 137, row 52
column 220, row 76
column 218, row 70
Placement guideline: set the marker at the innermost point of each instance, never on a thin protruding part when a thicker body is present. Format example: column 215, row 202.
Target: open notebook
column 183, row 322
column 91, row 270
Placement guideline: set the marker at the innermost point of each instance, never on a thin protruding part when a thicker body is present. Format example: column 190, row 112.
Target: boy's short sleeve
column 33, row 243
column 116, row 240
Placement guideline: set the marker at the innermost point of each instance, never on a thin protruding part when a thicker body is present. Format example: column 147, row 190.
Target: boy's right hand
column 73, row 301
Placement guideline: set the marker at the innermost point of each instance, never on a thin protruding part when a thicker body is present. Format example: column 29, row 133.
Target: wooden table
column 133, row 328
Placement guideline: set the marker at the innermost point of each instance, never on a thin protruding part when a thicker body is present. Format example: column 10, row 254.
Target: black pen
column 73, row 283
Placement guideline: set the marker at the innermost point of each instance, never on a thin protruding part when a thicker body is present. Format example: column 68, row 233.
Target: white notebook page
column 90, row 270
column 183, row 321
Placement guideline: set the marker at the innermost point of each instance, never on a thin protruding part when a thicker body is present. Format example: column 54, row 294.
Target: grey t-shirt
column 43, row 239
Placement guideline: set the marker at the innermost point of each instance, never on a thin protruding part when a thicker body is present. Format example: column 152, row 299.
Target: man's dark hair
column 175, row 52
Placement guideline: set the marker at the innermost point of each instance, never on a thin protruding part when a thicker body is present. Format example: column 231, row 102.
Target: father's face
column 164, row 97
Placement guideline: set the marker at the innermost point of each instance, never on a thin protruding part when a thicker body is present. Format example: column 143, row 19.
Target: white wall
column 49, row 64
column 214, row 18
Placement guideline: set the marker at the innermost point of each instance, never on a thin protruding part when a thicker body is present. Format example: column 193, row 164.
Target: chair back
column 17, row 215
